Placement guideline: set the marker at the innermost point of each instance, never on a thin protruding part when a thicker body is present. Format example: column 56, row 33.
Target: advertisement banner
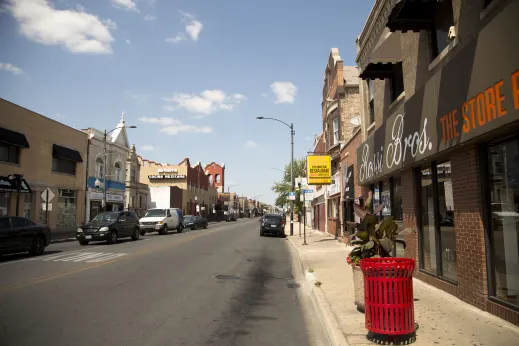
column 319, row 169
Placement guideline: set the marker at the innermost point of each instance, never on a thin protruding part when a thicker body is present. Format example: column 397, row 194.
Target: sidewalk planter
column 388, row 294
column 358, row 285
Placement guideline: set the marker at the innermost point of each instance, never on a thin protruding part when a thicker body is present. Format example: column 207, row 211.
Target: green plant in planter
column 374, row 239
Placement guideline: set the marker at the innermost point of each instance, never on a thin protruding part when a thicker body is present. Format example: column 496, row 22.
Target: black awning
column 8, row 185
column 412, row 15
column 13, row 137
column 378, row 71
column 66, row 153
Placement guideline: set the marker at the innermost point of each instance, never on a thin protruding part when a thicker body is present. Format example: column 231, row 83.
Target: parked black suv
column 109, row 226
column 18, row 234
column 272, row 224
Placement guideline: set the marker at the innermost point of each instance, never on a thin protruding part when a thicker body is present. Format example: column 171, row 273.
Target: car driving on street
column 109, row 226
column 272, row 224
column 195, row 222
column 18, row 234
column 161, row 220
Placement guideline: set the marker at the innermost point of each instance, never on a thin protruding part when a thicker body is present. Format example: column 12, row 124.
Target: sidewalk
column 442, row 318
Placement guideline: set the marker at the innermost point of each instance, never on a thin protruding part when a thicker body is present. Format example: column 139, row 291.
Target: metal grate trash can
column 388, row 295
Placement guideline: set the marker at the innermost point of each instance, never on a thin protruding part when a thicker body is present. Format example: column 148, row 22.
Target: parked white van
column 162, row 220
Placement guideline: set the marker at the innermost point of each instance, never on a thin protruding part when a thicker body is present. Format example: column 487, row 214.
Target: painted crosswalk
column 80, row 256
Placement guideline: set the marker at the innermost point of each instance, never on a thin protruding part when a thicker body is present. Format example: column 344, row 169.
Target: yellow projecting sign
column 319, row 169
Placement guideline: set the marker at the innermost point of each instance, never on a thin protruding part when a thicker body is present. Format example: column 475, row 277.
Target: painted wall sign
column 167, row 176
column 469, row 96
column 167, row 170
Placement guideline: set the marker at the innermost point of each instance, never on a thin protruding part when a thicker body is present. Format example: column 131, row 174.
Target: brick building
column 216, row 174
column 340, row 105
column 440, row 121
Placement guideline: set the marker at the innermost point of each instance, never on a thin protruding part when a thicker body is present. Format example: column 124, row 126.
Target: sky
column 192, row 75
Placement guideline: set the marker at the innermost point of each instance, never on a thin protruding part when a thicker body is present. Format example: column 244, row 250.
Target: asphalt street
column 222, row 286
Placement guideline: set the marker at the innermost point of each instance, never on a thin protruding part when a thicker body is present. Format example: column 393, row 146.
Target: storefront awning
column 8, row 185
column 412, row 15
column 66, row 153
column 378, row 71
column 13, row 137
column 388, row 48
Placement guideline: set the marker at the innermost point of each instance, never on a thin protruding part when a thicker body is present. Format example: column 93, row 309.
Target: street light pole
column 292, row 133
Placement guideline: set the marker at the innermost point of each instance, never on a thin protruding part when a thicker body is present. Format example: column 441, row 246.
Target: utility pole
column 104, row 173
column 292, row 133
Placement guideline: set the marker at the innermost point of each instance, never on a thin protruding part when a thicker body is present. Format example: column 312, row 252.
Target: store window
column 5, row 199
column 437, row 233
column 63, row 165
column 9, row 153
column 332, row 208
column 396, row 199
column 27, row 206
column 67, row 207
column 503, row 187
column 99, row 168
column 385, row 198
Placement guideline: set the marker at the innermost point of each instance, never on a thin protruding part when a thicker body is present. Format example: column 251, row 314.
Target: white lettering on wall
column 414, row 143
column 370, row 166
column 167, row 170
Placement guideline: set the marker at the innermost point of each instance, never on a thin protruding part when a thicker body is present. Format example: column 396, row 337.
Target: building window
column 503, row 192
column 397, row 82
column 117, row 172
column 486, row 3
column 132, row 175
column 332, row 208
column 437, row 235
column 217, row 178
column 396, row 198
column 210, row 179
column 67, row 206
column 99, row 168
column 63, row 165
column 371, row 89
column 443, row 20
column 5, row 198
column 336, row 131
column 9, row 153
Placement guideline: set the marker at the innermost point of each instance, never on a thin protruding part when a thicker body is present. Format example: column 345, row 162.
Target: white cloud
column 80, row 8
column 251, row 144
column 78, row 31
column 149, row 17
column 192, row 28
column 128, row 5
column 128, row 41
column 207, row 102
column 10, row 68
column 110, row 24
column 175, row 126
column 285, row 92
column 147, row 148
column 177, row 39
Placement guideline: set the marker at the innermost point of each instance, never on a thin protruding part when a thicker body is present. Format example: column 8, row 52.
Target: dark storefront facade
column 446, row 165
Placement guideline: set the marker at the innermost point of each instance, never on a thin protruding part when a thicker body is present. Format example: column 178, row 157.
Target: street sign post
column 47, row 196
column 292, row 196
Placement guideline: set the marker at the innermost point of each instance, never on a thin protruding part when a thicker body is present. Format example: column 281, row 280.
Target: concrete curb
column 65, row 240
column 321, row 305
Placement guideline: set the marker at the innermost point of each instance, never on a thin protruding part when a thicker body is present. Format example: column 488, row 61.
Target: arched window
column 99, row 168
column 117, row 172
column 210, row 179
column 217, row 178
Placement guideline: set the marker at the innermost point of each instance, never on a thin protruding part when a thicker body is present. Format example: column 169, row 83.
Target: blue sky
column 192, row 75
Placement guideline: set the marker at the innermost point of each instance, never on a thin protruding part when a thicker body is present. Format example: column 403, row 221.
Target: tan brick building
column 179, row 186
column 440, row 119
column 49, row 155
column 340, row 107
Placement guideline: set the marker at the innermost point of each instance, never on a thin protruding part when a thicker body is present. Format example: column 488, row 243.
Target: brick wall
column 349, row 107
column 470, row 241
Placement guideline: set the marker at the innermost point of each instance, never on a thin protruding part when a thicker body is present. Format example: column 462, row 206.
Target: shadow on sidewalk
column 382, row 339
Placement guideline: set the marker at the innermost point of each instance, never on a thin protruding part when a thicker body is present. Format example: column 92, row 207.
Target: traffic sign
column 47, row 195
column 292, row 196
column 309, row 191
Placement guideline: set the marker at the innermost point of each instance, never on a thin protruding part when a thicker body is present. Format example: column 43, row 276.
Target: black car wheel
column 205, row 225
column 143, row 232
column 164, row 230
column 83, row 242
column 136, row 234
column 113, row 237
column 261, row 233
column 180, row 228
column 38, row 246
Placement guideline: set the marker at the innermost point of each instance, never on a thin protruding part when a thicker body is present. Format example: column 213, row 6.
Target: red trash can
column 388, row 295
